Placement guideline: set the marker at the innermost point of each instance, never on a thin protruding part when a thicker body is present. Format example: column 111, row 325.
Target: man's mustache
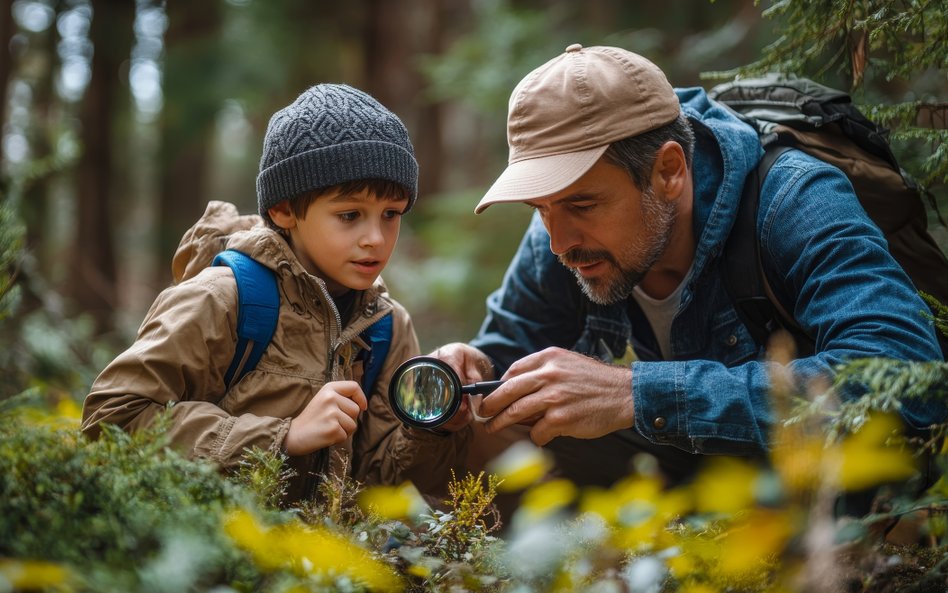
column 578, row 257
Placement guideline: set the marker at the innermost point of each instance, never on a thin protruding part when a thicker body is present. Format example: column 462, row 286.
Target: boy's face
column 344, row 239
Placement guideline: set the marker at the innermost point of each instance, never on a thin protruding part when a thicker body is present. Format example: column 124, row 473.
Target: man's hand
column 562, row 393
column 328, row 419
column 472, row 366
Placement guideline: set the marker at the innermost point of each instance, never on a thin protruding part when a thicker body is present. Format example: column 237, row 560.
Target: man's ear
column 282, row 215
column 670, row 172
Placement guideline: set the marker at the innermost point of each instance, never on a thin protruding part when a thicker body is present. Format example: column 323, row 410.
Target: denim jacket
column 825, row 258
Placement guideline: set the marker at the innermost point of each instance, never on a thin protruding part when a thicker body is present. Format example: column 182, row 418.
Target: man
column 636, row 187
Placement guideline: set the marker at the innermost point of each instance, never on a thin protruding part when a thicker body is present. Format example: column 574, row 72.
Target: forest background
column 117, row 131
column 122, row 119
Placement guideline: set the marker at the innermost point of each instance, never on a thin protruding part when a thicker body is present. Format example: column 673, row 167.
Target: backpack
column 258, row 308
column 790, row 112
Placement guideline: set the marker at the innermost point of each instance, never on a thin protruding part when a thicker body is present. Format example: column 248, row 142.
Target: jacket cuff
column 279, row 439
column 659, row 398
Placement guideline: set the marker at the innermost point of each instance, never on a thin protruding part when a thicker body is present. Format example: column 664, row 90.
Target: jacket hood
column 726, row 150
column 223, row 227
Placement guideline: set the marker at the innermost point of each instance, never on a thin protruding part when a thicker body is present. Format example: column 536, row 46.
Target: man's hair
column 636, row 154
column 382, row 188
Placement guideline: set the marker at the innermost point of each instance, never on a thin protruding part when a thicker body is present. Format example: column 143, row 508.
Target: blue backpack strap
column 379, row 338
column 258, row 308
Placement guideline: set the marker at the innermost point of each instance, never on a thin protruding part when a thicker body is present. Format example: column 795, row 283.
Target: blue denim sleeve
column 847, row 291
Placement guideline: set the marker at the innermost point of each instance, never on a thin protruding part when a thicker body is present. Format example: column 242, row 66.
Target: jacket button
column 731, row 340
column 659, row 423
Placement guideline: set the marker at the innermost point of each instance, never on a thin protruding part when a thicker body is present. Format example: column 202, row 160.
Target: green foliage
column 891, row 55
column 264, row 474
column 469, row 71
column 876, row 384
column 838, row 37
column 940, row 317
column 473, row 515
column 117, row 510
column 45, row 347
column 11, row 243
column 126, row 513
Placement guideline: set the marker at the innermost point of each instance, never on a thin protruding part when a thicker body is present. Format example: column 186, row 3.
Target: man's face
column 607, row 231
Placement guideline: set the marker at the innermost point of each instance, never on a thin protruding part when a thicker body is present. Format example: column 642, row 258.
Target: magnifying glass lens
column 425, row 392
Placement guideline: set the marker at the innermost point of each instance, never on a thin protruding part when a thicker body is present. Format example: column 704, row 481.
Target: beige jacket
column 187, row 341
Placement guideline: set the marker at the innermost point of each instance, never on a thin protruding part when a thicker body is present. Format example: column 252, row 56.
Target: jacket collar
column 726, row 150
column 298, row 286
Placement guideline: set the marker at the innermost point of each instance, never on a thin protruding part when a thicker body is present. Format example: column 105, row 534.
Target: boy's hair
column 333, row 134
column 382, row 188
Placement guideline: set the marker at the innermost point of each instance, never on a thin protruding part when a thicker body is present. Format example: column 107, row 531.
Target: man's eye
column 583, row 206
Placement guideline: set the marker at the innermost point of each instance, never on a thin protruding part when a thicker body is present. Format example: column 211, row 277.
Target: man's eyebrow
column 577, row 197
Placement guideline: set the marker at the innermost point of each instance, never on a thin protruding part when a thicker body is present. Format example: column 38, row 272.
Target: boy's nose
column 373, row 235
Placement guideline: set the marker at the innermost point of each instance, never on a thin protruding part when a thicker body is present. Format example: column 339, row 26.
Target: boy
column 337, row 173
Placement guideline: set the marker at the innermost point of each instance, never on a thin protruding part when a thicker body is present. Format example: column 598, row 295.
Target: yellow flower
column 393, row 502
column 308, row 552
column 65, row 415
column 799, row 463
column 33, row 574
column 546, row 498
column 681, row 565
column 865, row 460
column 521, row 465
column 419, row 570
column 630, row 499
column 754, row 541
column 68, row 408
column 697, row 588
column 725, row 485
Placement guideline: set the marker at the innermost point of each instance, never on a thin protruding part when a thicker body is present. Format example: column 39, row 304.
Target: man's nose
column 563, row 234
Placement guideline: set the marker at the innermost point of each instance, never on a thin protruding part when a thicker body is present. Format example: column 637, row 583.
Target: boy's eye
column 348, row 216
column 392, row 214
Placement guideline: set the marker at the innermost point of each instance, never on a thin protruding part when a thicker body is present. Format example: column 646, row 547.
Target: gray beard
column 660, row 217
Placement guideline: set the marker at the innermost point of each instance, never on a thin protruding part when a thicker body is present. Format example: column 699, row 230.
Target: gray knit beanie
column 332, row 134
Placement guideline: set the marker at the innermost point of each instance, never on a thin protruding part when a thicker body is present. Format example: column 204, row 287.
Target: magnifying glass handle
column 482, row 388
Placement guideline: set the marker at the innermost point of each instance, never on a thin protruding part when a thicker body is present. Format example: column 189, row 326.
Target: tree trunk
column 35, row 205
column 6, row 69
column 396, row 31
column 187, row 121
column 430, row 144
column 93, row 274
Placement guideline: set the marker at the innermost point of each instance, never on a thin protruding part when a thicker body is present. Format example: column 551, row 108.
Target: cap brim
column 539, row 177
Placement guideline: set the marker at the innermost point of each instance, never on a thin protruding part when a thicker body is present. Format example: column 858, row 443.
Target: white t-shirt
column 660, row 313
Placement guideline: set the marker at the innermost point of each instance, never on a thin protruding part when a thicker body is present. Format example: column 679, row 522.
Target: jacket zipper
column 321, row 457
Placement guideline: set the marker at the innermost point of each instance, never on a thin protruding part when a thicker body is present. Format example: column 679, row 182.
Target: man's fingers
column 513, row 391
column 541, row 434
column 525, row 410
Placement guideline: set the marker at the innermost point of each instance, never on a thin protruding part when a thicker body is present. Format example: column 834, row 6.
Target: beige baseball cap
column 564, row 115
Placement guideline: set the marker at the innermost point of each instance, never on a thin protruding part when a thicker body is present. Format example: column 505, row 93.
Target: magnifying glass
column 426, row 392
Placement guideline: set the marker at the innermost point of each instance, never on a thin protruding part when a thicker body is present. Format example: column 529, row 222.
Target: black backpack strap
column 744, row 277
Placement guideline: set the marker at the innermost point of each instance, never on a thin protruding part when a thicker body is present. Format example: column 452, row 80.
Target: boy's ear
column 282, row 215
